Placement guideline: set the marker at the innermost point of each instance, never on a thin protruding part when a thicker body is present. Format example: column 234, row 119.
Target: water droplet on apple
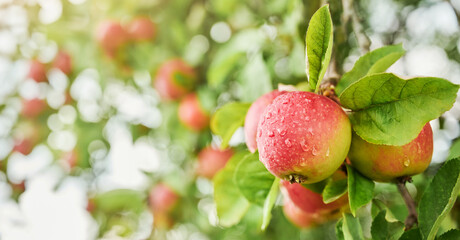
column 314, row 151
column 288, row 142
column 406, row 162
column 271, row 134
column 283, row 132
column 303, row 145
column 260, row 133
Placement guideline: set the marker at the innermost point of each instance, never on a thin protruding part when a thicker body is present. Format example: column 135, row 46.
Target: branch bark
column 412, row 218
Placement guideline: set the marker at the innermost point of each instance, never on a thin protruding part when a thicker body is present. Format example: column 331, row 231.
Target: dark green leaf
column 376, row 61
column 438, row 198
column 227, row 119
column 360, row 189
column 351, row 228
column 413, row 234
column 383, row 230
column 334, row 190
column 231, row 205
column 392, row 111
column 453, row 234
column 253, row 179
column 270, row 203
column 319, row 46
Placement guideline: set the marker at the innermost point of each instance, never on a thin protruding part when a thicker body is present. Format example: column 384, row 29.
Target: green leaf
column 231, row 205
column 376, row 61
column 454, row 150
column 392, row 111
column 227, row 119
column 351, row 228
column 360, row 189
column 253, row 179
column 413, row 234
column 254, row 79
column 334, row 190
column 339, row 230
column 319, row 46
column 120, row 200
column 270, row 203
column 383, row 230
column 453, row 234
column 438, row 198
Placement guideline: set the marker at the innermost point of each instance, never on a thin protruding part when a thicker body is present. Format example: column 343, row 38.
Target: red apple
column 253, row 116
column 31, row 108
column 63, row 62
column 37, row 71
column 111, row 36
column 162, row 198
column 191, row 114
column 141, row 29
column 385, row 163
column 70, row 159
column 303, row 137
column 23, row 146
column 174, row 79
column 211, row 161
column 296, row 215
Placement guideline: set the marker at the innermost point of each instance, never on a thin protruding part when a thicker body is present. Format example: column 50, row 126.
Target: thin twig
column 412, row 218
column 350, row 13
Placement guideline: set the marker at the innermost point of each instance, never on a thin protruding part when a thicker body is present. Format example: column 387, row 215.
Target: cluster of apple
column 304, row 138
column 112, row 35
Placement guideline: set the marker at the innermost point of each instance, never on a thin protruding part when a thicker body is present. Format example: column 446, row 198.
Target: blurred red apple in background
column 211, row 160
column 37, row 71
column 192, row 114
column 63, row 62
column 141, row 29
column 31, row 108
column 111, row 36
column 174, row 79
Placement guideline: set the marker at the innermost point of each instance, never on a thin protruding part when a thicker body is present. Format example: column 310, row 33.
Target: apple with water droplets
column 211, row 161
column 253, row 116
column 303, row 137
column 192, row 114
column 385, row 163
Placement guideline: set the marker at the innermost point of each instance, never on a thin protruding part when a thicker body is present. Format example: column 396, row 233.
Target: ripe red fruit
column 23, row 146
column 70, row 159
column 141, row 29
column 191, row 114
column 253, row 116
column 37, row 71
column 303, row 137
column 162, row 198
column 211, row 161
column 111, row 36
column 385, row 163
column 63, row 62
column 296, row 215
column 174, row 79
column 33, row 107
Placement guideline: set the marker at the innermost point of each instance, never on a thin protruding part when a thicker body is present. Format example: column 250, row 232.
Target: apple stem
column 412, row 218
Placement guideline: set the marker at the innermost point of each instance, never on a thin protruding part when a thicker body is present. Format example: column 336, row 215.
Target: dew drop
column 310, row 130
column 283, row 132
column 269, row 115
column 285, row 101
column 327, row 153
column 282, row 119
column 406, row 162
column 288, row 142
column 314, row 151
column 260, row 133
column 271, row 134
column 304, row 145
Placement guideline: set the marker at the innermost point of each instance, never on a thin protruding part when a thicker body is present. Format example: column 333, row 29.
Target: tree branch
column 412, row 218
column 350, row 13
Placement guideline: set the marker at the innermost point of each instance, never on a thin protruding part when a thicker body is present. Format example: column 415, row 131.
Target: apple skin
column 385, row 163
column 191, row 114
column 211, row 161
column 63, row 62
column 296, row 215
column 253, row 116
column 174, row 79
column 111, row 36
column 141, row 29
column 303, row 137
column 162, row 198
column 31, row 108
column 37, row 71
